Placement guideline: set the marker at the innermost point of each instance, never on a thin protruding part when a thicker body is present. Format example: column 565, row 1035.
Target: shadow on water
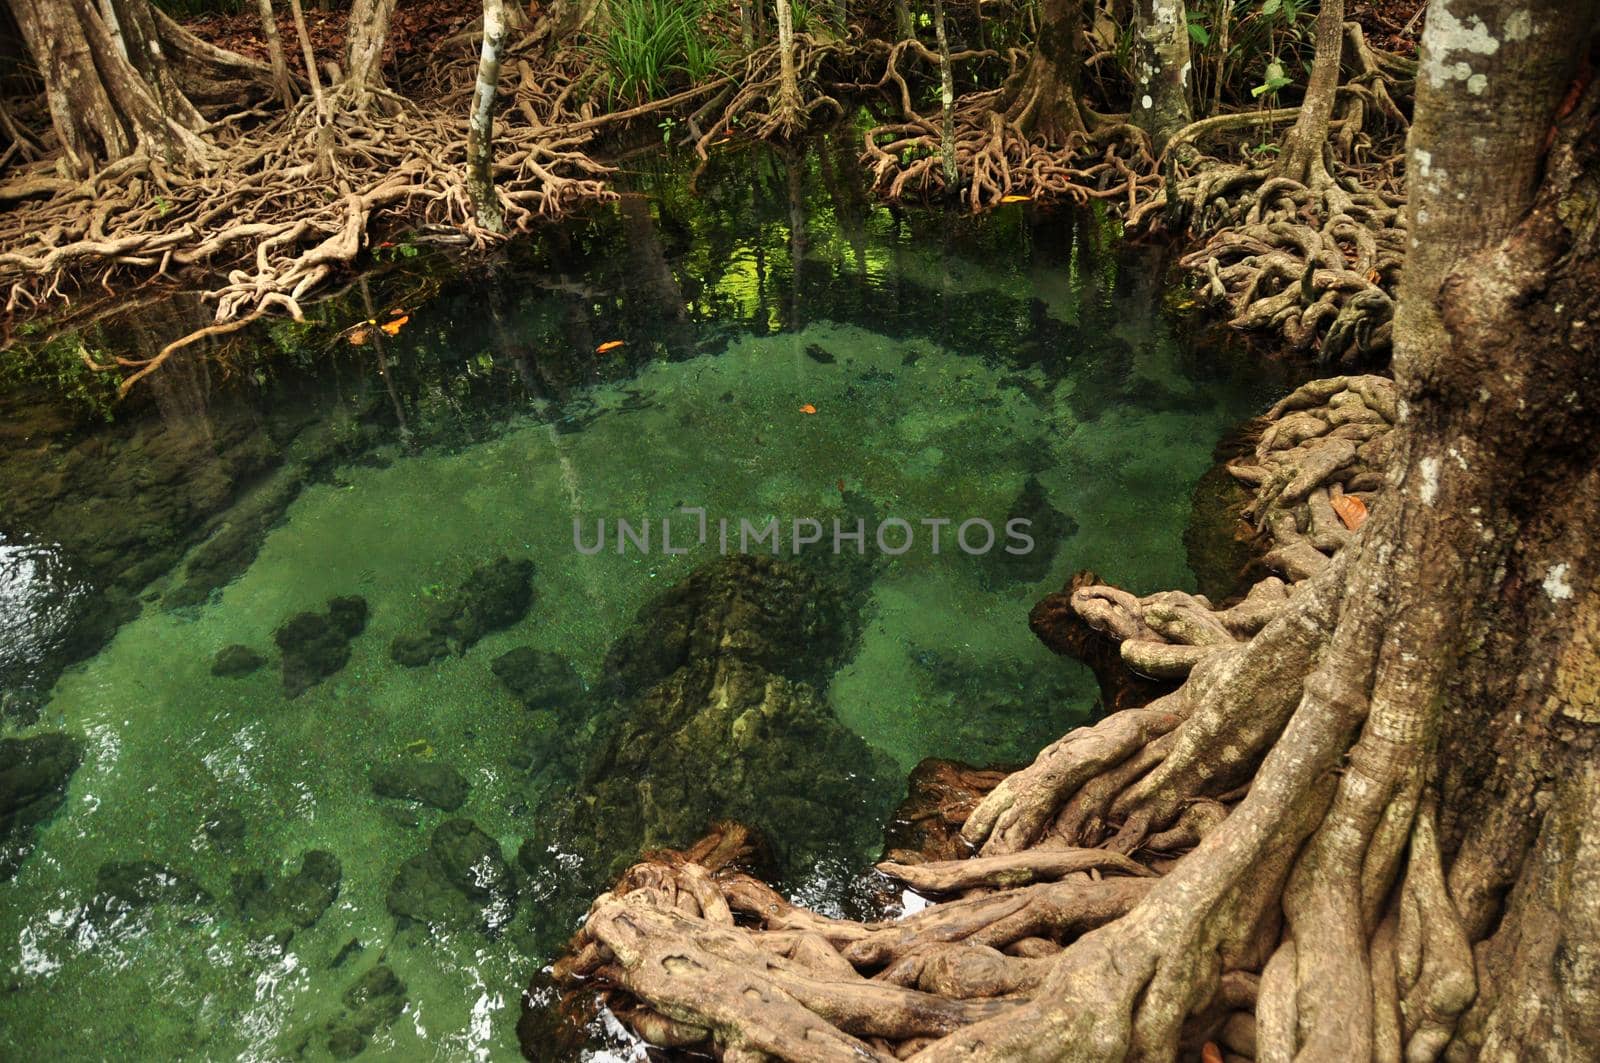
column 353, row 731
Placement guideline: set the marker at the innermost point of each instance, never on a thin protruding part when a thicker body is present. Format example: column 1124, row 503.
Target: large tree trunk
column 480, row 127
column 101, row 103
column 367, row 34
column 1303, row 147
column 1161, row 69
column 1045, row 103
column 1390, row 790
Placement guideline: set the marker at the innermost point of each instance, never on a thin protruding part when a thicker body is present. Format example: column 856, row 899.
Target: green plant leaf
column 1199, row 34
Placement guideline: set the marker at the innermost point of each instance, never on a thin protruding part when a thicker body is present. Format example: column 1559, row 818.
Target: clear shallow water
column 948, row 361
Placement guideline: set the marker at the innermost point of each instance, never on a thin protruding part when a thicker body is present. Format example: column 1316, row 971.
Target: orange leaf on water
column 360, row 336
column 808, row 408
column 393, row 327
column 1351, row 510
column 1015, row 199
column 609, row 345
column 1211, row 1053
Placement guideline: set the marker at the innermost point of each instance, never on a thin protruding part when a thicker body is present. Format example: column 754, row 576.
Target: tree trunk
column 1305, row 142
column 1161, row 69
column 947, row 102
column 787, row 107
column 480, row 128
column 1045, row 103
column 367, row 34
column 903, row 26
column 1410, row 872
column 101, row 104
column 280, row 67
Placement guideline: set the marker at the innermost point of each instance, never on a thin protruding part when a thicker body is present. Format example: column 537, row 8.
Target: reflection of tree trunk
column 654, row 282
column 480, row 126
column 847, row 204
column 798, row 241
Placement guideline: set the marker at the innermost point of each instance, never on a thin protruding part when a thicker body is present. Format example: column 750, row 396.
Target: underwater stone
column 461, row 881
column 123, row 885
column 493, row 597
column 225, row 827
column 34, row 773
column 818, row 353
column 316, row 646
column 430, row 782
column 773, row 613
column 299, row 899
column 1048, row 528
column 375, row 999
column 232, row 662
column 540, row 680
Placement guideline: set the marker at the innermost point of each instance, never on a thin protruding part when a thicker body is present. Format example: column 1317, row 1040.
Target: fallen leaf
column 1351, row 510
column 609, row 345
column 841, row 487
column 808, row 408
column 393, row 327
column 360, row 336
column 1015, row 199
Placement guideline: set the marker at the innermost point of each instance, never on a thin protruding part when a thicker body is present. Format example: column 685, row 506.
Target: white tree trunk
column 480, row 127
column 1161, row 68
column 788, row 79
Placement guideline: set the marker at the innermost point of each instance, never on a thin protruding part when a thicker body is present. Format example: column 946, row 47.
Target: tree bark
column 280, row 66
column 367, row 34
column 1161, row 69
column 947, row 102
column 1305, row 142
column 480, row 128
column 1045, row 103
column 788, row 103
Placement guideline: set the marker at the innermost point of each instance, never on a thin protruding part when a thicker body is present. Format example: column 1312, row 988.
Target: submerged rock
column 717, row 715
column 372, row 1001
column 428, row 781
column 316, row 645
column 494, row 597
column 225, row 827
column 126, row 885
column 1048, row 527
column 775, row 614
column 460, row 882
column 34, row 773
column 297, row 900
column 232, row 662
column 541, row 680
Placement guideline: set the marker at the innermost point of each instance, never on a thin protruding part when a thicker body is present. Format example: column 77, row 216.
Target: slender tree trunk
column 788, row 104
column 480, row 128
column 1306, row 141
column 904, row 27
column 947, row 101
column 280, row 67
column 1161, row 69
column 324, row 132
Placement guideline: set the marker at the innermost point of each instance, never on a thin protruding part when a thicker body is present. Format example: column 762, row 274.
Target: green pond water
column 955, row 366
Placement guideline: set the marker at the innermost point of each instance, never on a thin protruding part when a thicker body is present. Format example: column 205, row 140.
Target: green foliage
column 58, row 367
column 650, row 48
column 1249, row 43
